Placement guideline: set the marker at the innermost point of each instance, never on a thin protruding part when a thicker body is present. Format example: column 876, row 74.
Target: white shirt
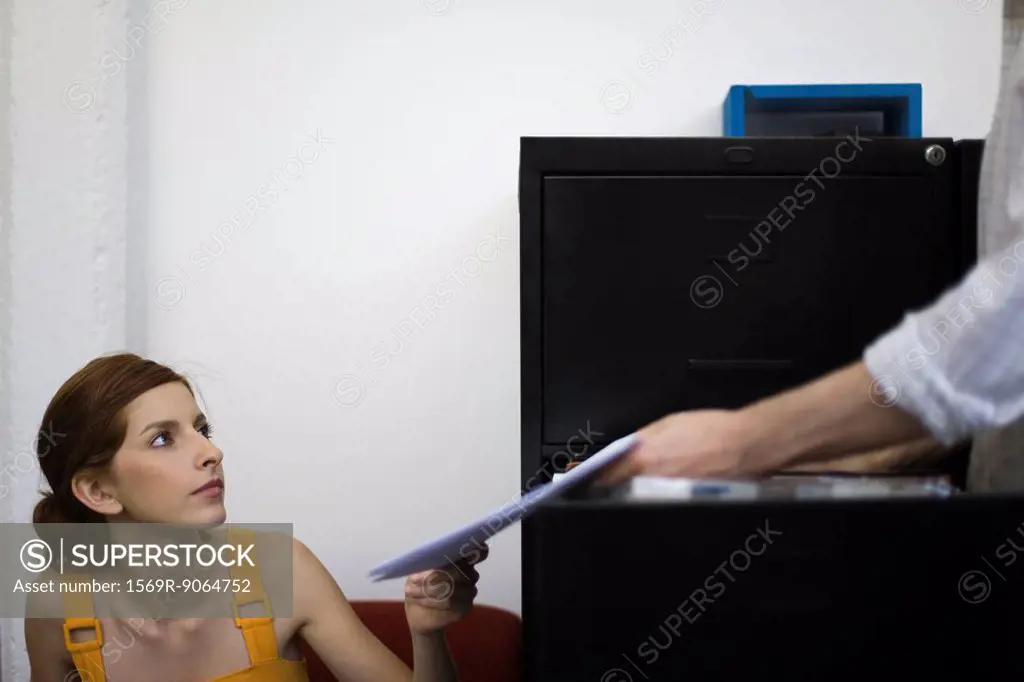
column 958, row 365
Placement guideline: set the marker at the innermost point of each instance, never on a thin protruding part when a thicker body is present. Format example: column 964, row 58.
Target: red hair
column 85, row 425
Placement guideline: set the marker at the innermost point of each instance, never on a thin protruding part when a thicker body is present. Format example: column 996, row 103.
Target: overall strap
column 88, row 654
column 260, row 639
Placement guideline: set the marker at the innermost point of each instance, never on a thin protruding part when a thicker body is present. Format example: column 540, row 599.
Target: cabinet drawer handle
column 739, row 364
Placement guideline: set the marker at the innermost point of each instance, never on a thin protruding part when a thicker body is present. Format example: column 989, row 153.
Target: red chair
column 486, row 645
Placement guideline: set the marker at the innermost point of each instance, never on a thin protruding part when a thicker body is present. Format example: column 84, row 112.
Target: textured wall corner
column 5, row 237
column 6, row 666
column 66, row 74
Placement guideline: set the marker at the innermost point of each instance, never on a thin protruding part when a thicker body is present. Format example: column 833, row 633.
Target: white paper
column 463, row 541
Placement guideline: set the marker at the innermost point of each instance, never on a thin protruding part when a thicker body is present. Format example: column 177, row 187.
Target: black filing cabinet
column 662, row 274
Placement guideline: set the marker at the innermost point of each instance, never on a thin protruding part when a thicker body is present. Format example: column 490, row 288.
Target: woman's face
column 168, row 470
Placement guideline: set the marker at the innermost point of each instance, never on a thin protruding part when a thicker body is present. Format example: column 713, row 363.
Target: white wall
column 424, row 103
column 426, row 110
column 66, row 203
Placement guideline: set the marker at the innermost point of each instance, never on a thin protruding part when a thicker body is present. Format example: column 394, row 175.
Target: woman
column 134, row 447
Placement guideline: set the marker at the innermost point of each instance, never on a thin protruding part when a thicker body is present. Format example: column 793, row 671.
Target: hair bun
column 46, row 510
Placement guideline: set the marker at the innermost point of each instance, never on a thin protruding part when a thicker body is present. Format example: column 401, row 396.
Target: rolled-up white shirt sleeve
column 958, row 365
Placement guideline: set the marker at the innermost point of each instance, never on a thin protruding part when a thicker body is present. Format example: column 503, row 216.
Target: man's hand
column 819, row 421
column 700, row 444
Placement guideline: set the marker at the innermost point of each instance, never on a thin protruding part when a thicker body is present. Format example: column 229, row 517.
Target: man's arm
column 892, row 458
column 820, row 421
column 946, row 371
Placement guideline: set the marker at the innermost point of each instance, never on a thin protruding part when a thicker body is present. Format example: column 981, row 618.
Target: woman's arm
column 331, row 627
column 329, row 624
column 431, row 659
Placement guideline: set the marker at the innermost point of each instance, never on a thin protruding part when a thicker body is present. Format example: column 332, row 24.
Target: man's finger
column 624, row 468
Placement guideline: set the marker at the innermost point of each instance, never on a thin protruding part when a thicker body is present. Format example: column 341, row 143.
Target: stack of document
column 465, row 541
column 784, row 487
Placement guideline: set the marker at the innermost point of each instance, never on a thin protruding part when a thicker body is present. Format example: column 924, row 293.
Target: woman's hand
column 437, row 598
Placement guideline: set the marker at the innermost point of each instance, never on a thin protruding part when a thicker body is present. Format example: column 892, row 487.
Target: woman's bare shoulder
column 43, row 597
column 293, row 577
column 308, row 571
column 44, row 624
column 48, row 655
column 315, row 587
